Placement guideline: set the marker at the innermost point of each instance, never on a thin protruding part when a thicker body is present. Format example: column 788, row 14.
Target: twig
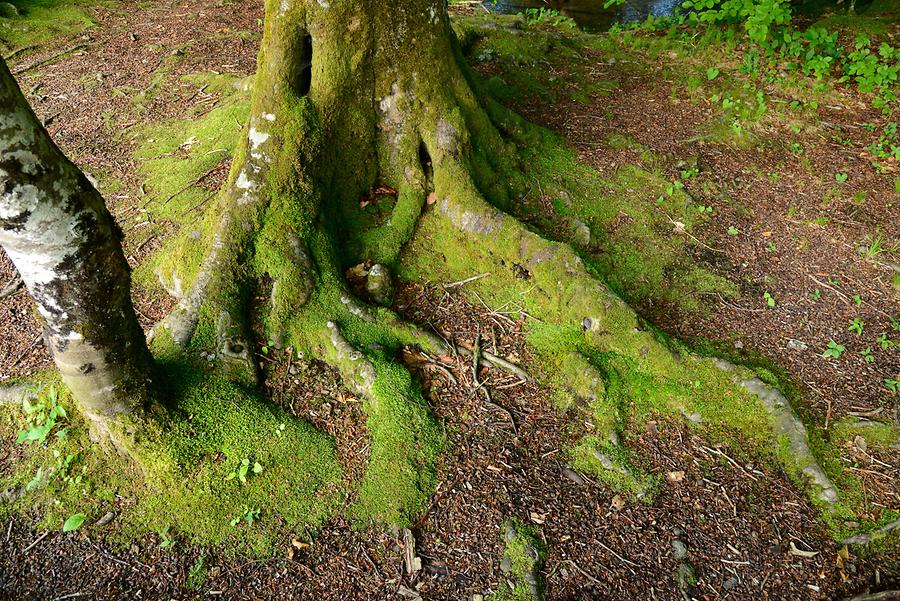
column 49, row 59
column 11, row 288
column 39, row 539
column 630, row 563
column 27, row 348
column 465, row 281
column 71, row 596
column 187, row 186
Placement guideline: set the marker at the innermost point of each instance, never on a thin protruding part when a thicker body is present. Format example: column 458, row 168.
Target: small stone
column 293, row 370
column 581, row 233
column 738, row 344
column 477, row 597
column 379, row 285
column 730, row 583
column 506, row 564
column 565, row 198
column 694, row 417
column 679, row 549
column 860, row 442
column 573, row 476
column 685, row 576
column 796, row 345
column 107, row 518
column 509, row 533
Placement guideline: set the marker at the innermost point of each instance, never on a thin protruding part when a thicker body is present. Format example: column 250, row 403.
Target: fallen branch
column 49, row 59
column 865, row 539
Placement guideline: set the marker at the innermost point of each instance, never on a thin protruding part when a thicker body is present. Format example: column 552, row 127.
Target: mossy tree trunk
column 347, row 95
column 57, row 231
column 354, row 94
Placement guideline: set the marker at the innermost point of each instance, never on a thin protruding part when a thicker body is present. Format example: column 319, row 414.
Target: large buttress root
column 352, row 96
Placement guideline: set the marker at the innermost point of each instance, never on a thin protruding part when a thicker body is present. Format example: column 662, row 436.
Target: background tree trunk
column 57, row 231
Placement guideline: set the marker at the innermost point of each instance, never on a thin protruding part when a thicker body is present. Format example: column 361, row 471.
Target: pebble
column 679, row 549
column 730, row 583
column 685, row 575
column 796, row 345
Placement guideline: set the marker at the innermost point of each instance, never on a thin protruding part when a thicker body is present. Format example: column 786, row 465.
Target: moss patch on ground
column 217, row 466
column 37, row 22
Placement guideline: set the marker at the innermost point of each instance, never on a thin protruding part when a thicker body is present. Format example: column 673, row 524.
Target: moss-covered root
column 575, row 313
column 522, row 564
column 790, row 429
column 406, row 440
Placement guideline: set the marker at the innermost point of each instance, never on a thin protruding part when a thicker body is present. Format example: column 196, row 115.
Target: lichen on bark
column 56, row 230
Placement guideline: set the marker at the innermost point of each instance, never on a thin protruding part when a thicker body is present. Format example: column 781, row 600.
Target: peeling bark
column 57, row 231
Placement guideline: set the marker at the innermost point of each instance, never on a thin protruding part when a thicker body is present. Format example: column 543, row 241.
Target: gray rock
column 679, row 549
column 506, row 564
column 796, row 345
column 685, row 576
column 379, row 285
column 730, row 583
column 581, row 233
column 106, row 518
column 565, row 198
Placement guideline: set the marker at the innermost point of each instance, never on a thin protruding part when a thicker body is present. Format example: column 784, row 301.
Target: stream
column 590, row 14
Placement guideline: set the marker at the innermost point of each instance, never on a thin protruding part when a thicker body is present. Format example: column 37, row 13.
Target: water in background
column 590, row 14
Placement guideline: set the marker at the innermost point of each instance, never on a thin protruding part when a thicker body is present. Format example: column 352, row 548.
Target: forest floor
column 787, row 235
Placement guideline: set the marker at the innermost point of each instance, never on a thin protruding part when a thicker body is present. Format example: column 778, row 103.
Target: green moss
column 176, row 160
column 875, row 434
column 400, row 476
column 180, row 482
column 41, row 21
column 523, row 560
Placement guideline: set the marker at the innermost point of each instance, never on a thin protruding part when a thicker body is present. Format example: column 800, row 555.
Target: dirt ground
column 741, row 524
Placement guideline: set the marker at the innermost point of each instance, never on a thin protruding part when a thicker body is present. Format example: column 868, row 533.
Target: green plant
column 248, row 514
column 712, row 73
column 856, row 326
column 41, row 417
column 834, row 350
column 770, row 300
column 732, row 231
column 857, row 299
column 867, row 355
column 816, row 294
column 885, row 342
column 243, row 468
column 892, row 385
column 165, row 539
column 840, row 177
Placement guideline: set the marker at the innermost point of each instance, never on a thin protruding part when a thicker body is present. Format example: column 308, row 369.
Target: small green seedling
column 248, row 514
column 732, row 231
column 885, row 342
column 857, row 299
column 867, row 355
column 770, row 300
column 816, row 294
column 241, row 472
column 892, row 385
column 771, row 247
column 41, row 418
column 840, row 177
column 856, row 326
column 167, row 541
column 712, row 73
column 834, row 350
